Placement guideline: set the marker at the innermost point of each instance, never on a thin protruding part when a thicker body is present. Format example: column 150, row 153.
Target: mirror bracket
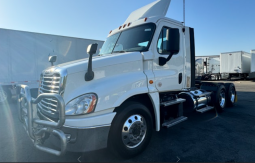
column 162, row 61
column 92, row 48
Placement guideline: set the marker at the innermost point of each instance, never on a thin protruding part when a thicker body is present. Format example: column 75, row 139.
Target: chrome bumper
column 37, row 128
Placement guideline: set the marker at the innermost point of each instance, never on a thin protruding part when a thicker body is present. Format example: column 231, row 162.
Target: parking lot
column 210, row 137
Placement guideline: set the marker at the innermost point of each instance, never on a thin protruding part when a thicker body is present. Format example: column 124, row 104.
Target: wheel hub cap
column 222, row 98
column 134, row 131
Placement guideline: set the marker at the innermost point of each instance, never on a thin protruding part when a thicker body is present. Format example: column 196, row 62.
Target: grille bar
column 50, row 83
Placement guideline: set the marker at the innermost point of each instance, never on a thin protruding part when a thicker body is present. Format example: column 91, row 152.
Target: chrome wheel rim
column 3, row 96
column 134, row 131
column 233, row 94
column 222, row 98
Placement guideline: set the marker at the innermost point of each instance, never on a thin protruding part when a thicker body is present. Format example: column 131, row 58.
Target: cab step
column 205, row 109
column 174, row 121
column 172, row 102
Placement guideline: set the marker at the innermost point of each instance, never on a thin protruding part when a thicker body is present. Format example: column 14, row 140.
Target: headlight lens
column 82, row 105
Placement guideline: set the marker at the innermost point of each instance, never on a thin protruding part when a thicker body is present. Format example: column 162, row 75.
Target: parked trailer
column 23, row 56
column 143, row 80
column 253, row 61
column 235, row 64
column 208, row 68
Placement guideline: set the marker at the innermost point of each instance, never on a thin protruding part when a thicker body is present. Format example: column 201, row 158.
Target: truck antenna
column 183, row 16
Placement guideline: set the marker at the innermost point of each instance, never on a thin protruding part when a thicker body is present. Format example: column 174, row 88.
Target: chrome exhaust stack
column 37, row 128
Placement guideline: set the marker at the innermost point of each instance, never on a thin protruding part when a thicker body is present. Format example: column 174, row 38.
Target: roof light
column 110, row 32
column 120, row 27
column 145, row 19
column 129, row 24
column 124, row 25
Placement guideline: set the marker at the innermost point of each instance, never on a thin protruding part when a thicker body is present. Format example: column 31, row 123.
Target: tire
column 219, row 98
column 230, row 94
column 136, row 119
column 5, row 95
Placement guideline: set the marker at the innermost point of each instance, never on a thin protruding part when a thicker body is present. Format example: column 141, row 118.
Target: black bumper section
column 84, row 140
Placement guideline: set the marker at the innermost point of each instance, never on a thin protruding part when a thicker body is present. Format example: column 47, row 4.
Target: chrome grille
column 49, row 83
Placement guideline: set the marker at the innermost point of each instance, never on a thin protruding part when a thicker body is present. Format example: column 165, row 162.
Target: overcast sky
column 220, row 25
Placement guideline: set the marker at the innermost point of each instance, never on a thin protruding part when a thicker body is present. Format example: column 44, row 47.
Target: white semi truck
column 24, row 55
column 207, row 68
column 142, row 81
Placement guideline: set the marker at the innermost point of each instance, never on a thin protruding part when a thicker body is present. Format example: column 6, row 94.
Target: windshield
column 133, row 39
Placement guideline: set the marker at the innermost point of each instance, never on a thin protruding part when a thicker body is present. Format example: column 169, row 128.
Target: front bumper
column 64, row 138
column 83, row 140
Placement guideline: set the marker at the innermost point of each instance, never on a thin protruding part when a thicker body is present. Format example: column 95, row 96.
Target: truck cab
column 142, row 80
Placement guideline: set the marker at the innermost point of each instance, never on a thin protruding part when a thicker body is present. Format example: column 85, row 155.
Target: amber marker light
column 129, row 24
column 151, row 81
column 145, row 19
column 120, row 27
column 110, row 32
column 124, row 25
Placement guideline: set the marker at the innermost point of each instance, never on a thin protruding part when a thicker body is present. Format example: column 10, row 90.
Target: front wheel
column 131, row 130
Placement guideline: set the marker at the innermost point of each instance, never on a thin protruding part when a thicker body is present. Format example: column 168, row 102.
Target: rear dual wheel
column 220, row 98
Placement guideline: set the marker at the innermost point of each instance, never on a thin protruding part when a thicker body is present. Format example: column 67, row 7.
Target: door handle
column 180, row 78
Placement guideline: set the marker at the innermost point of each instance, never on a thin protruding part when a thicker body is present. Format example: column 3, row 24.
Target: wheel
column 230, row 94
column 219, row 98
column 244, row 77
column 131, row 130
column 5, row 95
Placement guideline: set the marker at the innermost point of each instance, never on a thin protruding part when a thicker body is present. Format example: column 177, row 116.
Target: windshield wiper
column 122, row 51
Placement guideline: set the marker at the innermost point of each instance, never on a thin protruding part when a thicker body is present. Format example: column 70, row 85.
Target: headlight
column 82, row 105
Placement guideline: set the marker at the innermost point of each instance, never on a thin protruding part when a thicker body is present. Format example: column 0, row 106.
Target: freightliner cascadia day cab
column 24, row 55
column 207, row 67
column 143, row 80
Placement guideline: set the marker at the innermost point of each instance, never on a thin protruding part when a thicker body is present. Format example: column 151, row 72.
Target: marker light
column 129, row 24
column 110, row 32
column 145, row 19
column 120, row 27
column 124, row 25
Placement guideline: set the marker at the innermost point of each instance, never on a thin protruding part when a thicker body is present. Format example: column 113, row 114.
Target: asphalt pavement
column 207, row 137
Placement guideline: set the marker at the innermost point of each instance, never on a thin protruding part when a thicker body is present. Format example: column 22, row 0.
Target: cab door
column 168, row 77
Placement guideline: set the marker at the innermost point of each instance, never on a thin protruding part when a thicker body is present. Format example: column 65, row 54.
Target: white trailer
column 235, row 64
column 143, row 80
column 253, row 61
column 208, row 67
column 23, row 56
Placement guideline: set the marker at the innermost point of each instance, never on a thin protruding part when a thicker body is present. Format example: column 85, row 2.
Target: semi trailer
column 24, row 55
column 252, row 61
column 235, row 64
column 208, row 68
column 142, row 80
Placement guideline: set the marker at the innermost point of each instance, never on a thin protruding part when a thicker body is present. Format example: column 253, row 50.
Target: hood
column 100, row 61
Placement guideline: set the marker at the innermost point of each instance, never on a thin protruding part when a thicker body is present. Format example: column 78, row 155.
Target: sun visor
column 155, row 9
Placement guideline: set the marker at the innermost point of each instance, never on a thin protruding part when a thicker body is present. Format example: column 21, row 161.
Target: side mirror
column 172, row 44
column 92, row 49
column 52, row 59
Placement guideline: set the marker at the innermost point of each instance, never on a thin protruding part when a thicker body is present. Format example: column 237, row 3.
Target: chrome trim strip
column 89, row 127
